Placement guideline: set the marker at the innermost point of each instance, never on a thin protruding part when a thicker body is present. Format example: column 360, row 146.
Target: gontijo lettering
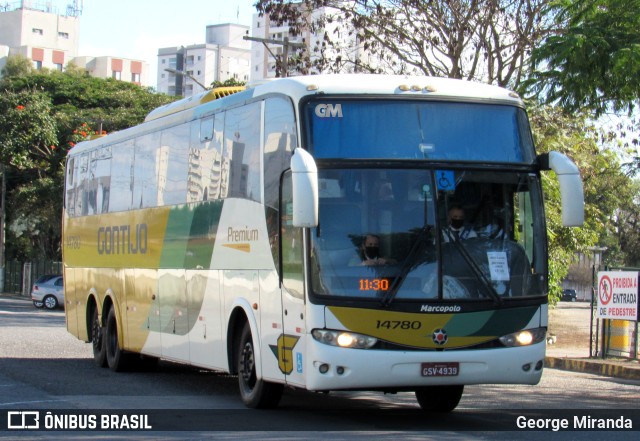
column 123, row 239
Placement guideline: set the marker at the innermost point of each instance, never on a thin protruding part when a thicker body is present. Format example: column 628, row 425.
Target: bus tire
column 441, row 399
column 255, row 393
column 97, row 339
column 116, row 357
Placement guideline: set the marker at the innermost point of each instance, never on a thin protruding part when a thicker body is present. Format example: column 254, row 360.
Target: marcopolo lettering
column 440, row 308
column 123, row 239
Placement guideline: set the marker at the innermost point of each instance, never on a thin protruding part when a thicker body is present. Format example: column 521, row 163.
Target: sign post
column 617, row 301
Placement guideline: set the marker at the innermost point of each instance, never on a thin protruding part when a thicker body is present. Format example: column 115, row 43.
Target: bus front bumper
column 334, row 368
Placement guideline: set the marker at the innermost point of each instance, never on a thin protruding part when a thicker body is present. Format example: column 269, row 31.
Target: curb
column 593, row 367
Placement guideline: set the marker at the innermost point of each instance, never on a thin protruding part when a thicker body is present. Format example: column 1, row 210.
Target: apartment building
column 188, row 70
column 123, row 69
column 37, row 31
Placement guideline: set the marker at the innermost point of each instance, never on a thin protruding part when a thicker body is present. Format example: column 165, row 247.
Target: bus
column 231, row 231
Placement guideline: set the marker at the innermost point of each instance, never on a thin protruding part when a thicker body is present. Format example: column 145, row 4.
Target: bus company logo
column 329, row 110
column 440, row 336
column 29, row 420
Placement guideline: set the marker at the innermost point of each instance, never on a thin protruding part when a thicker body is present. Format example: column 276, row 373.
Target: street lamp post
column 186, row 75
column 597, row 253
column 3, row 190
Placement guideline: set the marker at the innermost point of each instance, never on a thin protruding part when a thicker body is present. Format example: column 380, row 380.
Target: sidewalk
column 577, row 360
column 570, row 323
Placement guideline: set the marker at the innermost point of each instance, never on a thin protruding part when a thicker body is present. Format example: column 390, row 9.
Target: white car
column 48, row 291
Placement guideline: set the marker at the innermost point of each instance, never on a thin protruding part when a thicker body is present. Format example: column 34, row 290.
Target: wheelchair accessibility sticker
column 445, row 180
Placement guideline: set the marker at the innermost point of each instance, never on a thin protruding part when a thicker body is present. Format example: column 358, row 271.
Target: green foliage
column 600, row 170
column 17, row 65
column 594, row 59
column 231, row 82
column 35, row 221
column 27, row 129
column 44, row 115
column 77, row 98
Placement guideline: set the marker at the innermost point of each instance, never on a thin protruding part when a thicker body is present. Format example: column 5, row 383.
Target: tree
column 591, row 64
column 628, row 227
column 17, row 65
column 44, row 115
column 600, row 170
column 27, row 129
column 28, row 154
column 485, row 40
column 593, row 59
column 231, row 82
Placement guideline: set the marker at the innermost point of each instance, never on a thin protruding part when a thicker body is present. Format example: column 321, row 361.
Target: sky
column 136, row 29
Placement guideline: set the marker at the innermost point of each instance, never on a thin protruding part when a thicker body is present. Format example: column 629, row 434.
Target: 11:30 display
column 374, row 284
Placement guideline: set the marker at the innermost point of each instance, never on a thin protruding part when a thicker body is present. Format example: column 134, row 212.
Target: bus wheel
column 116, row 357
column 439, row 398
column 97, row 339
column 256, row 394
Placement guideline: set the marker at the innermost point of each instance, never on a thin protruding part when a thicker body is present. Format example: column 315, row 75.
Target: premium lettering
column 242, row 235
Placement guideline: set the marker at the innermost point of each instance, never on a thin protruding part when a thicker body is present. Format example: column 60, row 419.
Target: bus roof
column 299, row 87
column 371, row 84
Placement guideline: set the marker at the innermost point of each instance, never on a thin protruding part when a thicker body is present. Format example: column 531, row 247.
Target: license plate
column 449, row 369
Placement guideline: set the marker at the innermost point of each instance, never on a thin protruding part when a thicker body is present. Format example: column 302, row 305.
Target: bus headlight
column 524, row 338
column 343, row 339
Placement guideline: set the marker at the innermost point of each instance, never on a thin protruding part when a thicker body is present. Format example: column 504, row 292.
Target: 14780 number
column 398, row 324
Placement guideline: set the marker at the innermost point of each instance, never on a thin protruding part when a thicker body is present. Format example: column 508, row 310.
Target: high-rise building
column 187, row 70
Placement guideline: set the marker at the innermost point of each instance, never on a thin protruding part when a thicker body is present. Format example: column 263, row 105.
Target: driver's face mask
column 457, row 223
column 372, row 252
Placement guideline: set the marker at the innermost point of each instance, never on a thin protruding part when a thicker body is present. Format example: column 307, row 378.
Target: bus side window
column 242, row 152
column 99, row 184
column 291, row 240
column 205, row 159
column 173, row 169
column 145, row 186
column 81, row 184
column 69, row 203
column 121, row 176
column 206, row 129
column 215, row 169
column 279, row 142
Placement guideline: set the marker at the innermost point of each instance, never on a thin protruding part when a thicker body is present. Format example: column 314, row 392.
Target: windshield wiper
column 415, row 250
column 475, row 268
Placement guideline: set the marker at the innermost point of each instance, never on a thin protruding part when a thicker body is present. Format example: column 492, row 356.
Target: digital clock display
column 374, row 284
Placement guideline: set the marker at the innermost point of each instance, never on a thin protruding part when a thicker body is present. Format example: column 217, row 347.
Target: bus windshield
column 401, row 129
column 425, row 234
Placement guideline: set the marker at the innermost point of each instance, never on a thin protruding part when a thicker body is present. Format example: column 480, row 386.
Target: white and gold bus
column 296, row 234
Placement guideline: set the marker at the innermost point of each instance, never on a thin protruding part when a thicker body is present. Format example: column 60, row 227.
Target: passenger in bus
column 456, row 228
column 495, row 229
column 369, row 252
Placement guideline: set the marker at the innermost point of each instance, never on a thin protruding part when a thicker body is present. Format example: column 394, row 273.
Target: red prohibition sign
column 605, row 290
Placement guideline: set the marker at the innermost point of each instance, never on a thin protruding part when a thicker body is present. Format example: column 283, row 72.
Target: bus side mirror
column 305, row 189
column 571, row 192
